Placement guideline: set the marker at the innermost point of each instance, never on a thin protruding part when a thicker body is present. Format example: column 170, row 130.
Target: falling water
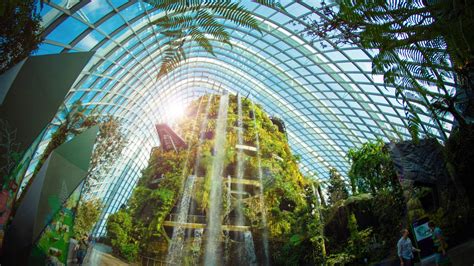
column 202, row 134
column 262, row 201
column 240, row 163
column 240, row 174
column 175, row 249
column 227, row 212
column 249, row 249
column 196, row 247
column 215, row 199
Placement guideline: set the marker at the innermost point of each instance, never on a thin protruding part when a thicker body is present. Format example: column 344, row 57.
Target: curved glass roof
column 326, row 94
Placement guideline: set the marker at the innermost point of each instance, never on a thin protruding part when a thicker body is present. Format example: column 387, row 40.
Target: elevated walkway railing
column 199, row 222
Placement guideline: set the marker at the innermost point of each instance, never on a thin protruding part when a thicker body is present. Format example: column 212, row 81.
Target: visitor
column 439, row 244
column 81, row 249
column 405, row 249
column 52, row 259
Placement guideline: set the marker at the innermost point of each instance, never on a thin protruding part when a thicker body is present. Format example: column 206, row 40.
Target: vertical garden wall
column 262, row 196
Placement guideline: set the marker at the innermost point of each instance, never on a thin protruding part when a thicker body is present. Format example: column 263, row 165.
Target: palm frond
column 172, row 57
column 199, row 21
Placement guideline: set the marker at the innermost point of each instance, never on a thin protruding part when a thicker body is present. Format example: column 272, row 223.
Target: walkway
column 99, row 255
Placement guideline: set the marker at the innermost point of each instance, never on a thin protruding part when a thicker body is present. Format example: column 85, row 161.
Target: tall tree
column 19, row 31
column 371, row 168
column 337, row 189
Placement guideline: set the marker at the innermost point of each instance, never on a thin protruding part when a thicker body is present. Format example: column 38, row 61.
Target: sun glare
column 174, row 111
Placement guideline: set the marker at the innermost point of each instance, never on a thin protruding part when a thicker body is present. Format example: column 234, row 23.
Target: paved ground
column 462, row 255
column 99, row 255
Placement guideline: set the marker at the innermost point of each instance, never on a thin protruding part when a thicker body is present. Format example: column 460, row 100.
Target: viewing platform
column 243, row 181
column 199, row 222
column 235, row 228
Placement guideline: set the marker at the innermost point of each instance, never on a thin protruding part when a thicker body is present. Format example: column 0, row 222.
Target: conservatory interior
column 236, row 132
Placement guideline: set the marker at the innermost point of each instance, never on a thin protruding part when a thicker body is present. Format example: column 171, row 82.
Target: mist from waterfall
column 202, row 134
column 176, row 247
column 240, row 163
column 251, row 258
column 227, row 221
column 266, row 251
column 214, row 224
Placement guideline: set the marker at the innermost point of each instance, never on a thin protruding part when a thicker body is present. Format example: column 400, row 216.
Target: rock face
column 422, row 163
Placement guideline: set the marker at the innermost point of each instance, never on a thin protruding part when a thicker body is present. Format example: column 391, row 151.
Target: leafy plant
column 419, row 46
column 9, row 151
column 87, row 214
column 371, row 168
column 20, row 30
column 337, row 189
column 119, row 230
column 109, row 145
column 199, row 22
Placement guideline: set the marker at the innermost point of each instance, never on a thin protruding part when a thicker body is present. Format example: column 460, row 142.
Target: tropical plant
column 337, row 189
column 120, row 231
column 419, row 44
column 9, row 151
column 19, row 31
column 109, row 145
column 371, row 168
column 200, row 22
column 71, row 123
column 87, row 214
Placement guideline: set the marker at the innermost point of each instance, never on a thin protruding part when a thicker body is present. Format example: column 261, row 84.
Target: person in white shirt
column 405, row 249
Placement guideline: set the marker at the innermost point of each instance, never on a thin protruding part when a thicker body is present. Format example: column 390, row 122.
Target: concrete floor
column 99, row 255
column 462, row 255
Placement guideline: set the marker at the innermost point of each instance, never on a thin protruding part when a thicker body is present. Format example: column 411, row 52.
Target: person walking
column 440, row 245
column 82, row 249
column 405, row 249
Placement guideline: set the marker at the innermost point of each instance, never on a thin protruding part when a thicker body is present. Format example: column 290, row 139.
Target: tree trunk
column 321, row 196
column 465, row 91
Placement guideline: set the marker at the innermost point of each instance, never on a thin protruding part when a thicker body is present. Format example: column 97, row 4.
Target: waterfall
column 176, row 246
column 240, row 174
column 262, row 200
column 196, row 247
column 249, row 249
column 227, row 212
column 240, row 163
column 213, row 251
column 202, row 133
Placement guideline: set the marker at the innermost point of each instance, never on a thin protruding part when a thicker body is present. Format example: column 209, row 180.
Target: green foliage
column 419, row 44
column 108, row 147
column 120, row 231
column 377, row 200
column 10, row 155
column 371, row 168
column 87, row 214
column 197, row 21
column 358, row 243
column 20, row 28
column 293, row 226
column 337, row 190
column 109, row 143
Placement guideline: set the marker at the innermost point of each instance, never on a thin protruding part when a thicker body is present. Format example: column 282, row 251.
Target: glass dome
column 325, row 94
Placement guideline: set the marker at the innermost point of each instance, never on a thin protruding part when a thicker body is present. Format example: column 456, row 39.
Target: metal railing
column 148, row 261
